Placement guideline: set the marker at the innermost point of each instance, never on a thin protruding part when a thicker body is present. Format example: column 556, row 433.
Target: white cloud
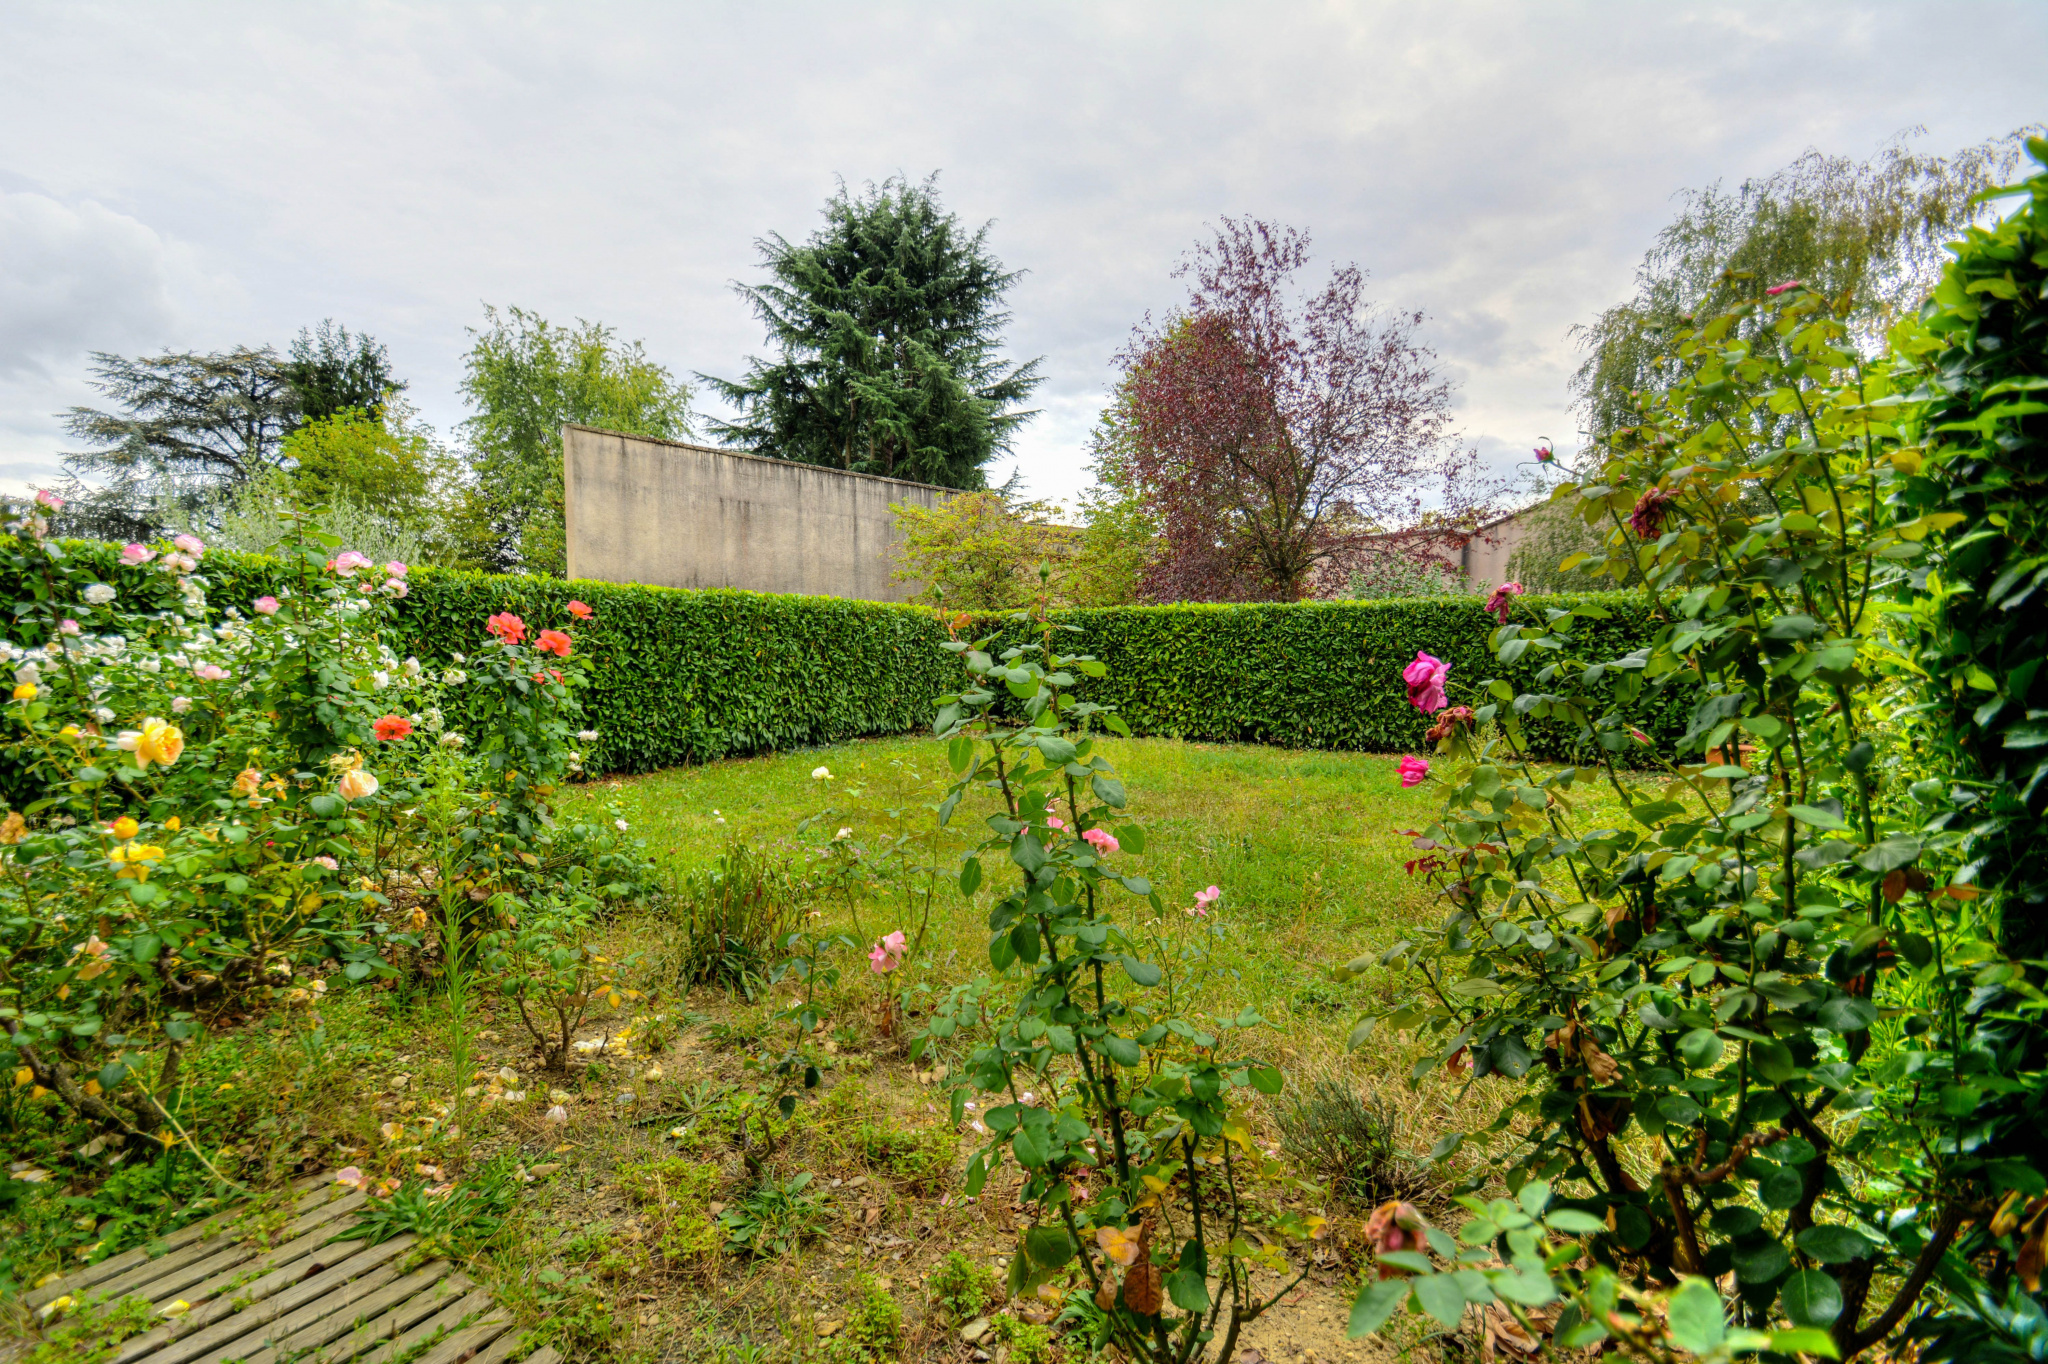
column 75, row 277
column 1499, row 165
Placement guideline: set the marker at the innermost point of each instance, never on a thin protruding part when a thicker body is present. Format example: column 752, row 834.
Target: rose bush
column 213, row 804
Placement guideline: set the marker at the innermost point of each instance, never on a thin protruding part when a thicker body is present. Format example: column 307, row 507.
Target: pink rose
column 266, row 606
column 1775, row 290
column 1500, row 603
column 1204, row 899
column 348, row 562
column 1413, row 770
column 1425, row 678
column 137, row 554
column 190, row 544
column 395, row 569
column 1102, row 840
column 209, row 672
column 886, row 955
column 67, row 627
column 46, row 498
column 397, row 587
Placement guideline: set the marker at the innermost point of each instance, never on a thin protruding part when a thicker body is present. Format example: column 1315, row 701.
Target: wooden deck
column 306, row 1300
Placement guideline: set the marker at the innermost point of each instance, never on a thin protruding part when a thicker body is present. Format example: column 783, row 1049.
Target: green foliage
column 675, row 677
column 525, row 378
column 90, row 1333
column 672, row 1195
column 1088, row 1054
column 1350, row 1140
column 453, row 1219
column 332, row 372
column 979, row 551
column 776, row 1216
column 873, row 1330
column 962, row 1287
column 1867, row 235
column 921, row 1157
column 1779, row 971
column 730, row 916
column 888, row 321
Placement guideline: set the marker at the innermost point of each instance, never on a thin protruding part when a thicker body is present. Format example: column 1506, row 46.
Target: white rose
column 411, row 667
column 99, row 594
column 380, row 679
column 452, row 741
column 620, row 825
column 821, row 774
column 455, row 677
column 588, row 736
column 180, row 704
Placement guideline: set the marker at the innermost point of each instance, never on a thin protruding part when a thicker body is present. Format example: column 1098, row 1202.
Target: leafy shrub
column 1782, row 969
column 546, row 965
column 683, row 676
column 873, row 1330
column 1029, row 1342
column 672, row 1194
column 1349, row 1139
column 454, row 1218
column 962, row 1287
column 921, row 1157
column 730, row 917
column 776, row 1216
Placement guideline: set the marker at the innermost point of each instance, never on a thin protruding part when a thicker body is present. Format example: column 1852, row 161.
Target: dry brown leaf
column 1142, row 1288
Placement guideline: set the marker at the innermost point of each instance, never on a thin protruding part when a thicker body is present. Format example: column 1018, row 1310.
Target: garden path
column 296, row 1296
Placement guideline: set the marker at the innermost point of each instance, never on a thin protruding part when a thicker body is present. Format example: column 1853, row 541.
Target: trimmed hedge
column 690, row 676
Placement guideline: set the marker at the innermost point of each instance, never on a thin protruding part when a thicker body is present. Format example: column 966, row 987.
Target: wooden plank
column 546, row 1354
column 222, row 1296
column 343, row 1300
column 303, row 1190
column 162, row 1281
column 502, row 1349
column 462, row 1344
column 257, row 1315
column 295, row 1255
column 380, row 1315
column 447, row 1319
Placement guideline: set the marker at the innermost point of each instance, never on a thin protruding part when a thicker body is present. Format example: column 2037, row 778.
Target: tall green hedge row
column 688, row 676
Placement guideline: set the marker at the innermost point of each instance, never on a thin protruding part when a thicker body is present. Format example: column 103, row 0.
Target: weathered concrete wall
column 675, row 515
column 1485, row 559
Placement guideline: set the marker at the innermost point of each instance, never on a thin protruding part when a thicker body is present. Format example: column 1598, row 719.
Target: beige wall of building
column 673, row 515
column 1485, row 558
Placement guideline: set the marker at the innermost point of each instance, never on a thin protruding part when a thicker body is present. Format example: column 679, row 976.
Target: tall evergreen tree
column 888, row 322
column 185, row 423
column 331, row 371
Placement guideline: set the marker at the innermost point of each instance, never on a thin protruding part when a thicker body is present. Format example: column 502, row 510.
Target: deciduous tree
column 525, row 377
column 1284, row 438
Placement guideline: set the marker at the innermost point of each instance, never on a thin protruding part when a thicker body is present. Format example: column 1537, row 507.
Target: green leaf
column 1267, row 1079
column 1050, row 1246
column 1846, row 1013
column 1891, row 854
column 1122, row 1050
column 1110, row 792
column 970, row 876
column 1187, row 1290
column 1374, row 1304
column 1804, row 1342
column 1779, row 1187
column 1773, row 1061
column 143, row 947
column 1817, row 817
column 1701, row 1048
column 1811, row 1298
column 1030, row 1149
column 1573, row 1222
column 1761, row 1264
column 1695, row 1317
column 1026, row 852
column 1141, row 972
column 1834, row 1245
column 1441, row 1297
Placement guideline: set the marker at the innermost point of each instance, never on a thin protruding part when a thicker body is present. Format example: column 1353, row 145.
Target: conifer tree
column 887, row 322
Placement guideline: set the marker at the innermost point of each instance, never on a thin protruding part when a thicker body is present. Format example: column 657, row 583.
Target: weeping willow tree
column 1869, row 235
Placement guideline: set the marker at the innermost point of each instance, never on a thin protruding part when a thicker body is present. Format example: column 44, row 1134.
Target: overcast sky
column 205, row 175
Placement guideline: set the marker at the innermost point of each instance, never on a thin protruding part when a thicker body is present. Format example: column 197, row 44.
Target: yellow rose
column 247, row 780
column 126, row 828
column 25, row 692
column 12, row 828
column 355, row 784
column 160, row 743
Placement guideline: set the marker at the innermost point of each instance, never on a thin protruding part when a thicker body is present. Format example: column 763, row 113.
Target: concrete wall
column 1485, row 558
column 674, row 515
